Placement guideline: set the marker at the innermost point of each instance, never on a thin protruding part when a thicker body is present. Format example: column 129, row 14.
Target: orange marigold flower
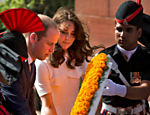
column 90, row 84
column 103, row 56
column 101, row 70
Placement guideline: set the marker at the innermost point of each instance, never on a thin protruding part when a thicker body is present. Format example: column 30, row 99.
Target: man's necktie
column 32, row 73
column 32, row 68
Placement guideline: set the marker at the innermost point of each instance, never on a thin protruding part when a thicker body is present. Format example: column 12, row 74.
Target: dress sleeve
column 83, row 67
column 43, row 75
column 85, row 64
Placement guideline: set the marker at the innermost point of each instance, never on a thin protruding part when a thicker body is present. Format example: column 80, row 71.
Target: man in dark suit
column 15, row 60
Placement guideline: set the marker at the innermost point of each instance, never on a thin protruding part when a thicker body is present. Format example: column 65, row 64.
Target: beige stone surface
column 92, row 7
column 101, row 30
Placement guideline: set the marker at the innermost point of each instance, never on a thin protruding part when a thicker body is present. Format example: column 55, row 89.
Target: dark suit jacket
column 18, row 97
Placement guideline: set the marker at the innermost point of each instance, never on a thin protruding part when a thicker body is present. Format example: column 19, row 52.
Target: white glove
column 112, row 89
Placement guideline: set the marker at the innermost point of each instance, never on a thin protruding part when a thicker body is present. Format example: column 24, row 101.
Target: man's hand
column 111, row 89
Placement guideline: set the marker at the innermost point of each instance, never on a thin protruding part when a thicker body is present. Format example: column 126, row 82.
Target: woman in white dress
column 58, row 77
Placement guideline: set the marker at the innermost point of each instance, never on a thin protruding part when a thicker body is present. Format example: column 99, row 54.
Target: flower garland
column 93, row 74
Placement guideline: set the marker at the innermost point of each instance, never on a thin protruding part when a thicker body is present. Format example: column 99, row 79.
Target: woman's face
column 67, row 34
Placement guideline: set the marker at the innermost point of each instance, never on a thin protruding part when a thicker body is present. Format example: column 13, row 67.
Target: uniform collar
column 125, row 52
column 116, row 51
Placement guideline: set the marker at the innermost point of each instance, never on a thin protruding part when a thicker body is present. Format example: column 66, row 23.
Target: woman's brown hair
column 79, row 50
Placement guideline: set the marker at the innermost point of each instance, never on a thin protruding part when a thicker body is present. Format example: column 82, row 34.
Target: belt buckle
column 124, row 111
column 120, row 111
column 128, row 110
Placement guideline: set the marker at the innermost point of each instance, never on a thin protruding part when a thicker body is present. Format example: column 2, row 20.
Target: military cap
column 13, row 48
column 130, row 12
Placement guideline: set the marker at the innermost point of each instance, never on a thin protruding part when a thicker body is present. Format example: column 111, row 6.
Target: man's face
column 127, row 36
column 46, row 44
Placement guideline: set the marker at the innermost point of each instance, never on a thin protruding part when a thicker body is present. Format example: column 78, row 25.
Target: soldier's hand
column 112, row 89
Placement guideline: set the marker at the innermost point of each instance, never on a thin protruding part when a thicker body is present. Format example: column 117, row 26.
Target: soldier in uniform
column 16, row 87
column 128, row 95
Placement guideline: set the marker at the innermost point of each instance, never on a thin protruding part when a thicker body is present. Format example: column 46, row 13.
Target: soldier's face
column 127, row 36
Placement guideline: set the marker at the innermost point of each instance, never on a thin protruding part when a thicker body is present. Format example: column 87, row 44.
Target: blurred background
column 97, row 15
column 47, row 7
